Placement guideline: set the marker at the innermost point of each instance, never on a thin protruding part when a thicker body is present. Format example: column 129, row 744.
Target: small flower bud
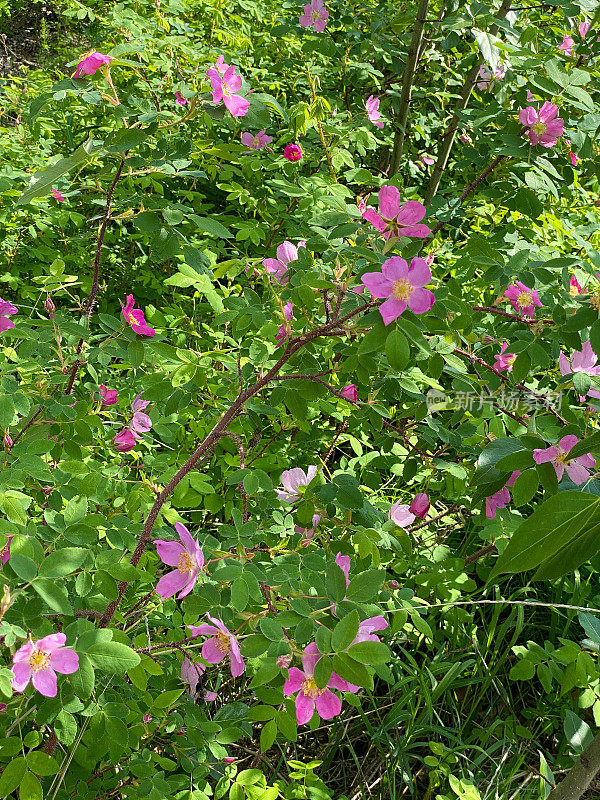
column 50, row 307
column 7, row 441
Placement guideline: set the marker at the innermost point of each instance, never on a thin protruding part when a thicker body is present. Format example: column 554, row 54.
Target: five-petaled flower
column 315, row 15
column 292, row 480
column 402, row 285
column 558, row 455
column 140, row 422
column 278, row 267
column 309, row 697
column 187, row 557
column 504, row 360
column 221, row 643
column 134, row 317
column 293, row 152
column 91, row 64
column 523, row 299
column 39, row 662
column 372, row 106
column 256, row 141
column 567, row 44
column 395, row 220
column 6, row 310
column 224, row 89
column 544, row 127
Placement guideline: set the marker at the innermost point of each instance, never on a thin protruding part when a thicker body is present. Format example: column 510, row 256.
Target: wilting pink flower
column 350, row 393
column 180, row 99
column 402, row 285
column 401, row 514
column 292, row 480
column 523, row 299
column 140, row 422
column 486, row 77
column 393, row 219
column 372, row 106
column 425, row 159
column 187, row 557
column 315, row 14
column 124, row 441
column 285, row 330
column 209, row 696
column 574, row 159
column 286, row 253
column 90, row 64
column 58, row 196
column 584, row 28
column 134, row 317
column 466, row 139
column 221, row 643
column 530, row 97
column 504, row 361
column 5, row 552
column 429, row 259
column 109, row 396
column 584, row 360
column 39, row 662
column 50, row 307
column 557, row 455
column 366, row 628
column 310, row 697
column 501, row 498
column 567, row 45
column 256, row 141
column 293, row 152
column 544, row 126
column 224, row 89
column 344, row 564
column 575, row 288
column 308, row 532
column 3, row 708
column 6, row 310
column 420, row 505
column 191, row 672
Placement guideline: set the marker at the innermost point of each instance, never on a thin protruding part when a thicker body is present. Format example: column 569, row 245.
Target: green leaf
column 555, row 526
column 42, row 180
column 268, row 735
column 23, row 566
column 349, row 669
column 212, row 226
column 75, row 510
column 13, row 508
column 54, row 595
column 83, row 680
column 369, row 652
column 578, row 733
column 323, row 670
column 166, row 699
column 397, row 350
column 345, row 631
column 7, row 411
column 62, row 562
column 525, row 487
column 271, row 629
column 113, row 657
column 12, row 775
column 591, row 626
column 335, row 581
column 365, row 586
column 41, row 763
column 30, row 788
column 287, row 725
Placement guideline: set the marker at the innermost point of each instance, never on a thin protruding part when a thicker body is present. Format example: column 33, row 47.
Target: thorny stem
column 516, row 317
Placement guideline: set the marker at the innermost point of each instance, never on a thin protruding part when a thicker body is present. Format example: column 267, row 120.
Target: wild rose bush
column 285, row 397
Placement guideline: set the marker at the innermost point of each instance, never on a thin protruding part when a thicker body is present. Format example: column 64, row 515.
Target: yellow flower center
column 39, row 661
column 256, row 141
column 511, row 360
column 132, row 320
column 539, row 128
column 316, row 15
column 524, row 299
column 573, row 291
column 402, row 289
column 226, row 90
column 561, row 458
column 310, row 688
column 185, row 563
column 595, row 301
column 222, row 642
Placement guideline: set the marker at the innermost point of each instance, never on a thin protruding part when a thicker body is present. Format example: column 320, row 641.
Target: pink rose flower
column 395, row 220
column 187, row 557
column 293, row 152
column 500, row 499
column 315, row 15
column 292, row 480
column 221, row 643
column 372, row 106
column 402, row 285
column 530, row 97
column 504, row 361
column 309, row 697
column 401, row 514
column 220, row 65
column 140, row 422
column 366, row 628
column 425, row 159
column 557, row 455
column 523, row 299
column 286, row 253
column 575, row 288
column 191, row 672
column 256, row 141
column 124, row 441
column 584, row 28
column 91, row 64
column 134, row 317
column 350, row 393
column 39, row 662
column 58, row 196
column 567, row 45
column 544, row 126
column 224, row 89
column 285, row 331
column 584, row 360
column 109, row 396
column 6, row 310
column 180, row 99
column 420, row 505
column 344, row 564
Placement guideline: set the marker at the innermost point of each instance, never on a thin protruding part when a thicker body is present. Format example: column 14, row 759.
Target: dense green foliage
column 485, row 682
